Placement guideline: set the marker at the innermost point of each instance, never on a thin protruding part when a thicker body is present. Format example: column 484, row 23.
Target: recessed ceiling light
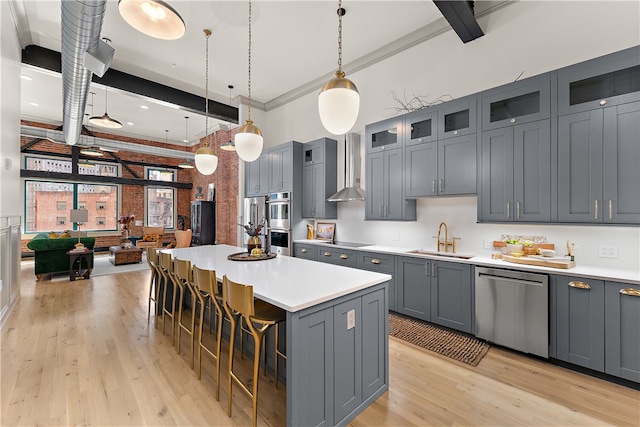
column 24, row 77
column 130, row 123
column 35, row 104
column 185, row 140
column 144, row 107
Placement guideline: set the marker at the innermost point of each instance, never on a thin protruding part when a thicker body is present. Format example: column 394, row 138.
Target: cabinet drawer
column 301, row 250
column 380, row 263
column 344, row 257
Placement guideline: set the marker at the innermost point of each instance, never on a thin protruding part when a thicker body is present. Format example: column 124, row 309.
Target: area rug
column 103, row 267
column 443, row 341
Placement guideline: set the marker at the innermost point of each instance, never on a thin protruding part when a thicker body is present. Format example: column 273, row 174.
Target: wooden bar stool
column 154, row 283
column 166, row 270
column 208, row 293
column 183, row 280
column 259, row 316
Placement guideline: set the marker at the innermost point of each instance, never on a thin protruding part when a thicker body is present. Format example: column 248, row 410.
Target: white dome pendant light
column 339, row 100
column 206, row 158
column 249, row 139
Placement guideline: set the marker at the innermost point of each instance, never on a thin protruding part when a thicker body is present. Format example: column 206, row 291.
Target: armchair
column 152, row 237
column 183, row 238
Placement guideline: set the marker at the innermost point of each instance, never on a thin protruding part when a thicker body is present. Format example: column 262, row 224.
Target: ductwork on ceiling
column 107, row 144
column 81, row 26
column 351, row 191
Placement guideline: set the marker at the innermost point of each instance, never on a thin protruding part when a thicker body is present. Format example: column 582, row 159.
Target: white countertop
column 290, row 283
column 587, row 271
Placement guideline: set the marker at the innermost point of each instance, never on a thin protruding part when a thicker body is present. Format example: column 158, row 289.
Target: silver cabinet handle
column 380, row 211
column 610, row 209
column 603, row 102
column 595, row 203
column 440, row 185
column 426, row 268
column 303, row 250
column 513, row 120
column 343, row 256
column 375, row 261
column 433, row 186
column 455, row 132
column 433, row 269
column 327, row 254
column 631, row 292
column 508, row 209
column 580, row 285
column 518, row 210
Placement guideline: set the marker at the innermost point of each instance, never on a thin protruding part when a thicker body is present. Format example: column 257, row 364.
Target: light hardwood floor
column 82, row 353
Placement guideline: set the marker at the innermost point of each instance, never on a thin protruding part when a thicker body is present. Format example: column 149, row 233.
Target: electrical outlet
column 608, row 251
column 395, row 237
column 351, row 319
column 488, row 244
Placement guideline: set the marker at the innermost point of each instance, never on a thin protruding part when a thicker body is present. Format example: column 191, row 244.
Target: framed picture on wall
column 325, row 231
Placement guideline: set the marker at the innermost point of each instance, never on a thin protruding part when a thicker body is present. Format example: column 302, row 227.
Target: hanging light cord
column 341, row 12
column 249, row 60
column 207, row 33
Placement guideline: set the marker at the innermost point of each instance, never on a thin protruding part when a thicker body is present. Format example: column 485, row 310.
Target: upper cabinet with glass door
column 384, row 135
column 602, row 82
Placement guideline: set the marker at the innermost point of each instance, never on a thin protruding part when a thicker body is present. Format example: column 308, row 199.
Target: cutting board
column 541, row 261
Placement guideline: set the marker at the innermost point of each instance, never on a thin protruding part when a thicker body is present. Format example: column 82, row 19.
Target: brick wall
column 132, row 197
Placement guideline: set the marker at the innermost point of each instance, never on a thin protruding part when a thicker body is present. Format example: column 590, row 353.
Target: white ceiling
column 294, row 46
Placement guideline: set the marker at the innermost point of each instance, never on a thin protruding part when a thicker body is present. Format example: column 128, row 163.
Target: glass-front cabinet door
column 384, row 135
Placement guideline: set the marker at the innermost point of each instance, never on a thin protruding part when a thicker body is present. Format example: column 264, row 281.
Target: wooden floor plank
column 82, row 353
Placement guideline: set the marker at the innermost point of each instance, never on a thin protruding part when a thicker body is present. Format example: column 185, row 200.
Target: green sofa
column 51, row 253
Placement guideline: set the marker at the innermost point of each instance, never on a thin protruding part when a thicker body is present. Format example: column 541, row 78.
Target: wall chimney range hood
column 352, row 191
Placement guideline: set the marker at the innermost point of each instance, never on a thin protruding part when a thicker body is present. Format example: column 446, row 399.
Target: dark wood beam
column 459, row 14
column 101, row 179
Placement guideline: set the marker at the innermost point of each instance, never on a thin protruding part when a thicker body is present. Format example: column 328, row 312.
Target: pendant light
column 186, row 164
column 206, row 158
column 229, row 145
column 339, row 100
column 153, row 18
column 105, row 121
column 249, row 139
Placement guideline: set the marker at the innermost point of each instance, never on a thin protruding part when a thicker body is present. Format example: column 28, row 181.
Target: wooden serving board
column 540, row 261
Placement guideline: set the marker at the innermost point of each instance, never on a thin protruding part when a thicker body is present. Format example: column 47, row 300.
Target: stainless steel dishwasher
column 512, row 309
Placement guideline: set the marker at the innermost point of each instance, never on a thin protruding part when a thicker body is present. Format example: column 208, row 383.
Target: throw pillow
column 151, row 237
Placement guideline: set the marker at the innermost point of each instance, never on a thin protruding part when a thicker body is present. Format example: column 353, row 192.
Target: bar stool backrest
column 152, row 258
column 182, row 270
column 166, row 262
column 206, row 280
column 238, row 297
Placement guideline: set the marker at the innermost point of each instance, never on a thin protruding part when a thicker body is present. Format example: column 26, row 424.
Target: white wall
column 530, row 37
column 10, row 198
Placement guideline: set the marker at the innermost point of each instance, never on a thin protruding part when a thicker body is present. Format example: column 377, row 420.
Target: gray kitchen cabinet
column 338, row 256
column 580, row 321
column 257, row 176
column 413, row 287
column 622, row 334
column 451, row 295
column 515, row 173
column 306, row 251
column 380, row 263
column 281, row 168
column 319, row 179
column 598, row 154
column 421, row 169
column 384, row 135
column 609, row 80
column 520, row 102
column 458, row 117
column 385, row 187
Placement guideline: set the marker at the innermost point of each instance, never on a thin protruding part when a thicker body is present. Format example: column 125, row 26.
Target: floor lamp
column 79, row 216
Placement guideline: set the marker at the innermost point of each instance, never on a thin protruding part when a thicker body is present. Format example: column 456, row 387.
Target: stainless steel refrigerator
column 255, row 212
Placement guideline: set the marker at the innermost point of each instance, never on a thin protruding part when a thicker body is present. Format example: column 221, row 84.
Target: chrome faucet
column 446, row 242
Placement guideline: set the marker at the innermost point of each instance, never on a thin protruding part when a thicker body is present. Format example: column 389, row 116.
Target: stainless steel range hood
column 352, row 191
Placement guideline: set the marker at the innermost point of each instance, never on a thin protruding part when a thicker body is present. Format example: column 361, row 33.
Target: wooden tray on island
column 246, row 256
column 540, row 261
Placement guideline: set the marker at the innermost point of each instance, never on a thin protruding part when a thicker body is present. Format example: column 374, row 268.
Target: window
column 62, row 206
column 160, row 206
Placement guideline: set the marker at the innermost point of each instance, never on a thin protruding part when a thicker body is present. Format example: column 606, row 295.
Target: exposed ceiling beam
column 50, row 60
column 461, row 17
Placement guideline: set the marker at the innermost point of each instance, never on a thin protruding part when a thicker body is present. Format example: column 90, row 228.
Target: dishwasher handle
column 511, row 280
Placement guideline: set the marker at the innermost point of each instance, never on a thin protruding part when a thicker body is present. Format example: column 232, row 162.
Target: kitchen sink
column 440, row 254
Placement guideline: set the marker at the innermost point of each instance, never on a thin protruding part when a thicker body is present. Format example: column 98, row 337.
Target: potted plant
column 514, row 247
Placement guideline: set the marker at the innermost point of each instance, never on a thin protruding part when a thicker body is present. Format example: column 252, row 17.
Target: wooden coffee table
column 120, row 256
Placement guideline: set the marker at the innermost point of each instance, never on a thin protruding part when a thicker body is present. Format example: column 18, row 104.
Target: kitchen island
column 336, row 333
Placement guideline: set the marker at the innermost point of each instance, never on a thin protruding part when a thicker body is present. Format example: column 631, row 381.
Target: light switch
column 351, row 319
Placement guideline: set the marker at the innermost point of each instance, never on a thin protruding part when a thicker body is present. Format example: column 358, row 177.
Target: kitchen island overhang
column 336, row 333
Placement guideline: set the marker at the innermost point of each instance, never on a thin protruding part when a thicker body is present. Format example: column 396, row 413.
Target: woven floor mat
column 443, row 341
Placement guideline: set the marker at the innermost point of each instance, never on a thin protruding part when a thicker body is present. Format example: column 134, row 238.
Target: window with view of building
column 160, row 209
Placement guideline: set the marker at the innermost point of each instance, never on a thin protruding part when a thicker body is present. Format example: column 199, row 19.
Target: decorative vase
column 253, row 242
